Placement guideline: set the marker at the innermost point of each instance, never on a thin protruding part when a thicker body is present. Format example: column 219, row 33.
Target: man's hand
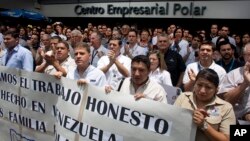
column 191, row 75
column 41, row 52
column 58, row 74
column 246, row 73
column 50, row 59
column 111, row 55
column 108, row 89
column 138, row 96
column 82, row 82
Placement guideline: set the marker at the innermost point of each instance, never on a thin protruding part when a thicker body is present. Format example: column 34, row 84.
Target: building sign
column 155, row 9
column 171, row 9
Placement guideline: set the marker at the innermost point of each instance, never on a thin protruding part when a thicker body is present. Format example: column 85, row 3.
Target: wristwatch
column 204, row 126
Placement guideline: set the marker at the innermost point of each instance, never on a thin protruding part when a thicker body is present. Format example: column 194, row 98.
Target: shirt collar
column 15, row 48
column 199, row 63
column 143, row 85
column 157, row 71
column 215, row 101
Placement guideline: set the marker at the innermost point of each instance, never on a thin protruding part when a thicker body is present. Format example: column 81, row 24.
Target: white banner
column 38, row 107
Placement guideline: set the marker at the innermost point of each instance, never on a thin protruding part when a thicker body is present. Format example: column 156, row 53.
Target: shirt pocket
column 16, row 60
column 214, row 121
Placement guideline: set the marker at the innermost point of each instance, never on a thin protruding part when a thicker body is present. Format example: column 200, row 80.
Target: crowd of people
column 212, row 68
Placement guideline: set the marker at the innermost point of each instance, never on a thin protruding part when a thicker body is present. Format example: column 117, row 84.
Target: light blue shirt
column 231, row 40
column 93, row 75
column 21, row 58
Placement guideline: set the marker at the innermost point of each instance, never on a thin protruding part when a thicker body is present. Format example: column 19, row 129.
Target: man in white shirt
column 132, row 48
column 115, row 65
column 139, row 84
column 59, row 63
column 205, row 61
column 235, row 89
column 84, row 72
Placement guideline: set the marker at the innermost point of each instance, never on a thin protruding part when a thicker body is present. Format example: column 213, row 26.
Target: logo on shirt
column 214, row 111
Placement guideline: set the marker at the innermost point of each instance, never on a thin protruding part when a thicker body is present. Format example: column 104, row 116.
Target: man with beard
column 235, row 89
column 228, row 62
column 205, row 53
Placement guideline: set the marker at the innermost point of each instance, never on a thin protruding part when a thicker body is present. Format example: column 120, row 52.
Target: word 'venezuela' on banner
column 177, row 8
column 67, row 95
column 83, row 129
column 22, row 89
column 101, row 107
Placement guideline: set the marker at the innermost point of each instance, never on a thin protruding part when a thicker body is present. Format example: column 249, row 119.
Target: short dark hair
column 221, row 43
column 116, row 38
column 208, row 43
column 14, row 34
column 209, row 75
column 65, row 43
column 83, row 45
column 142, row 58
column 56, row 37
column 219, row 40
column 132, row 30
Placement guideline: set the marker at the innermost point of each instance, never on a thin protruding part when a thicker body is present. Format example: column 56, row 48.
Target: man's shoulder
column 22, row 49
column 96, row 71
column 103, row 49
column 172, row 53
column 70, row 61
column 217, row 67
column 237, row 71
column 104, row 58
column 155, row 85
column 125, row 58
column 193, row 65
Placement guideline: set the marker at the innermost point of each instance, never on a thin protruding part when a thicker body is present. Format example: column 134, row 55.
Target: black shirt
column 175, row 65
column 233, row 64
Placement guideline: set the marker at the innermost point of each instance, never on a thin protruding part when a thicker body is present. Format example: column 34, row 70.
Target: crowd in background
column 117, row 57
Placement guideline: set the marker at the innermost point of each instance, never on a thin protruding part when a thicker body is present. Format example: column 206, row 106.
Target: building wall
column 22, row 4
column 153, row 9
column 237, row 9
column 233, row 13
